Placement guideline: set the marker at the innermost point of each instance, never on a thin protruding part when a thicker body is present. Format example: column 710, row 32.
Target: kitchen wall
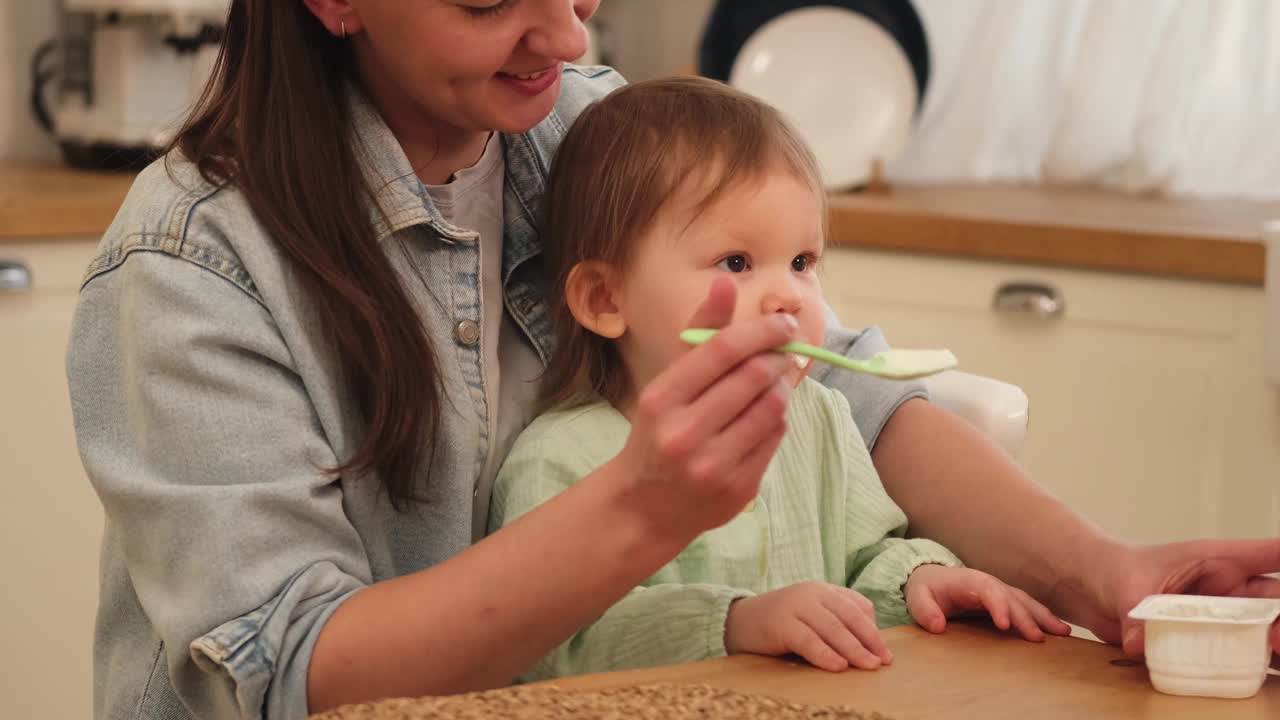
column 1174, row 97
column 24, row 24
column 960, row 136
column 650, row 38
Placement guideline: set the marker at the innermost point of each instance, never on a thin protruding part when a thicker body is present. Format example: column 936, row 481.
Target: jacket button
column 467, row 332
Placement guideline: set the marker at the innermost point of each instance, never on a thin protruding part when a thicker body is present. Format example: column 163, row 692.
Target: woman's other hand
column 1236, row 568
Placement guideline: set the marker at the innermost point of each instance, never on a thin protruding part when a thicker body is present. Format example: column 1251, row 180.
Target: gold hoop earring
column 343, row 24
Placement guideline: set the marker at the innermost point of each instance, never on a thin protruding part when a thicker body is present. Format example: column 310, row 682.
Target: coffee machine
column 119, row 78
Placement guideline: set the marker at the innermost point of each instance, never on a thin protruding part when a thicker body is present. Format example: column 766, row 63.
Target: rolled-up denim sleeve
column 872, row 399
column 203, row 445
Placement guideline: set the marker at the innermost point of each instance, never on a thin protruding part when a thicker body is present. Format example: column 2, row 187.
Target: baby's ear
column 591, row 293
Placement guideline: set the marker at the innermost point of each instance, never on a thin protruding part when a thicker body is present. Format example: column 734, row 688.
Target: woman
column 308, row 340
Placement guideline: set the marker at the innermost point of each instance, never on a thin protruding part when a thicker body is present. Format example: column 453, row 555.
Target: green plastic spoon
column 895, row 364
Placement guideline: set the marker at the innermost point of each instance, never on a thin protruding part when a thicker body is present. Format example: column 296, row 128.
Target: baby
column 656, row 191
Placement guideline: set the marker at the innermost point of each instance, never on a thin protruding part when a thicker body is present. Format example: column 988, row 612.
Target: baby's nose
column 781, row 301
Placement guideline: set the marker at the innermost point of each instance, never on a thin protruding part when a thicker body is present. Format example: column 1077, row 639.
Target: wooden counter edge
column 1108, row 249
column 51, row 203
column 16, row 227
column 92, row 200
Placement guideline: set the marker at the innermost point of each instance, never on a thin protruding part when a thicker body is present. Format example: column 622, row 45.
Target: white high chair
column 998, row 409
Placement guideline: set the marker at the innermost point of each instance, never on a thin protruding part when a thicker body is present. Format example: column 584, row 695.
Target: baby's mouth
column 795, row 375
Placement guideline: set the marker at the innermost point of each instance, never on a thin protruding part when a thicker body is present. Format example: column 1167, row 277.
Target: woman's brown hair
column 274, row 123
column 621, row 162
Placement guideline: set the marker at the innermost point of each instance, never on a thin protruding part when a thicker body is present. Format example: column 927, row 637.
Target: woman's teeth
column 528, row 76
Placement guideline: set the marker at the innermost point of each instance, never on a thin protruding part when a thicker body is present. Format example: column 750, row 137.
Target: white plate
column 841, row 79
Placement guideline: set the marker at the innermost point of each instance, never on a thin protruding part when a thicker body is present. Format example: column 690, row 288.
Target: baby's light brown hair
column 625, row 158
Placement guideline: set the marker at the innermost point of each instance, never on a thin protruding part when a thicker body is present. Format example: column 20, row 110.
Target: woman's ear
column 591, row 292
column 338, row 16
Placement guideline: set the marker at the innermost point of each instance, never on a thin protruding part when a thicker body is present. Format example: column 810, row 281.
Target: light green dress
column 822, row 514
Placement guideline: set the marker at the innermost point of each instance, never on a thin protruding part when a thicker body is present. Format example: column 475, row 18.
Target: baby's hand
column 830, row 626
column 935, row 593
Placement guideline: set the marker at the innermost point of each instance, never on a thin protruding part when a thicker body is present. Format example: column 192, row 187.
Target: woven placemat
column 539, row 702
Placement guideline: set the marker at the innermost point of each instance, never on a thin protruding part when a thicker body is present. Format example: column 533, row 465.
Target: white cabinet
column 50, row 519
column 1149, row 413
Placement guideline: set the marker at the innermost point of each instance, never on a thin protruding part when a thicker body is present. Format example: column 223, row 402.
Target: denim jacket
column 207, row 405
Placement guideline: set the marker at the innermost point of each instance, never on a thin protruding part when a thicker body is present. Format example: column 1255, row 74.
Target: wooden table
column 972, row 671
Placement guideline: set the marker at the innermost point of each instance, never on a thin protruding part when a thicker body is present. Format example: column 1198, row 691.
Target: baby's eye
column 803, row 263
column 735, row 264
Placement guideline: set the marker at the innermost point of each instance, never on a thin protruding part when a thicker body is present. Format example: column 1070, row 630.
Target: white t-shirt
column 473, row 201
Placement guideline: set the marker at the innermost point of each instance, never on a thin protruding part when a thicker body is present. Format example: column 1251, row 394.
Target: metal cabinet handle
column 15, row 277
column 1029, row 299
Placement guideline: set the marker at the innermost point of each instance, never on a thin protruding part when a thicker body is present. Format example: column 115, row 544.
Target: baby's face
column 766, row 234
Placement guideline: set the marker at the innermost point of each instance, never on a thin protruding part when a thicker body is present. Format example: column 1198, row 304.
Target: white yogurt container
column 1207, row 646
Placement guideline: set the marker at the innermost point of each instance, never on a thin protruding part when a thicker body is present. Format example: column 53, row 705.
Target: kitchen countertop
column 970, row 671
column 1203, row 239
column 50, row 202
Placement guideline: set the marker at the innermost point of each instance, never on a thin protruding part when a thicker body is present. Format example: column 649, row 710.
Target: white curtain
column 1146, row 96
